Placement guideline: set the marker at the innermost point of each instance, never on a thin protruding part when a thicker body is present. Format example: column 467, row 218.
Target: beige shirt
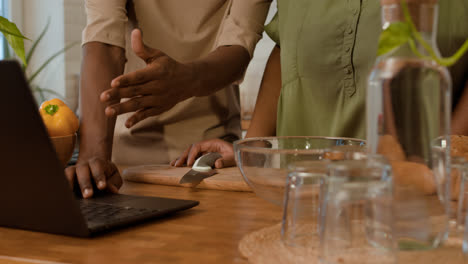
column 185, row 30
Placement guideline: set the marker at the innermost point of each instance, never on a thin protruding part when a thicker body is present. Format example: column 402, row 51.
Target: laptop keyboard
column 99, row 212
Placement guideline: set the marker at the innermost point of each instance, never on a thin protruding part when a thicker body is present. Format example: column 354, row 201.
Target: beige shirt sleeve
column 244, row 24
column 106, row 22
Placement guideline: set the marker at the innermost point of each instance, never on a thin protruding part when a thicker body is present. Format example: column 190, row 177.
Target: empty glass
column 357, row 220
column 304, row 188
column 465, row 240
column 459, row 175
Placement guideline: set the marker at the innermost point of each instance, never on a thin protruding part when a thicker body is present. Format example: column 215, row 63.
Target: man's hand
column 213, row 145
column 103, row 172
column 152, row 90
column 100, row 64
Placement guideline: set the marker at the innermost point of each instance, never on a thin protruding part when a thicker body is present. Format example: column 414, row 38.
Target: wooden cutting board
column 228, row 179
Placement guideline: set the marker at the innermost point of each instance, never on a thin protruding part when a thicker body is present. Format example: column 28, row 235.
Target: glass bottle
column 408, row 121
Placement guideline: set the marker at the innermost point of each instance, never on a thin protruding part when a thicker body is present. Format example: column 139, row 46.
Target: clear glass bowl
column 264, row 161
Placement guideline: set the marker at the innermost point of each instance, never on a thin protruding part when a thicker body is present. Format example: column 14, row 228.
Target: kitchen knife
column 201, row 169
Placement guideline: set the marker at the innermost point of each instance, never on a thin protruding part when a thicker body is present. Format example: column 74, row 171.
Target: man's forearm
column 221, row 67
column 264, row 117
column 101, row 63
column 460, row 115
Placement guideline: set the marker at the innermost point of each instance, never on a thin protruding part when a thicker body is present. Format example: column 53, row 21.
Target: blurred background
column 61, row 22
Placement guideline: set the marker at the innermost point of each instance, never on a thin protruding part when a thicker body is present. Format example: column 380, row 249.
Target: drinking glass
column 465, row 241
column 459, row 182
column 357, row 220
column 459, row 176
column 304, row 188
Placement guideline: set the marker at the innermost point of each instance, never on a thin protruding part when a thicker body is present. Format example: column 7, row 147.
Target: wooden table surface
column 208, row 233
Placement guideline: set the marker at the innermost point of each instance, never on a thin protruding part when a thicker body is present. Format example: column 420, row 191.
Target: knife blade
column 201, row 169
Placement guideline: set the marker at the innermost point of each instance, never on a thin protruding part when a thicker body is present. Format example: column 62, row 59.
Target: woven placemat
column 265, row 247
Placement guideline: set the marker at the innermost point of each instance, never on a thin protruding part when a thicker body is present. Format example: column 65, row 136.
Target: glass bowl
column 264, row 161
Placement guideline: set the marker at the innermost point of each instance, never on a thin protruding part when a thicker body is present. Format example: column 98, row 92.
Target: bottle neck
column 424, row 17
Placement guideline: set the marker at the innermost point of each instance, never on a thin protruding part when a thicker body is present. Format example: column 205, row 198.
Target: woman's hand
column 213, row 145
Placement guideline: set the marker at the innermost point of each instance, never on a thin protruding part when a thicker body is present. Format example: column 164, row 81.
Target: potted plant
column 16, row 41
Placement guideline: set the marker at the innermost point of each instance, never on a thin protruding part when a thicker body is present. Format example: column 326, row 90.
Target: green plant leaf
column 395, row 35
column 42, row 90
column 399, row 33
column 36, row 42
column 7, row 27
column 51, row 58
column 14, row 37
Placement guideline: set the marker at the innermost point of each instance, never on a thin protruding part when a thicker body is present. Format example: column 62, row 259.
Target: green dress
column 328, row 49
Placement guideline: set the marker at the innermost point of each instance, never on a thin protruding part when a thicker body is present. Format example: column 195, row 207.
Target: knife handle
column 206, row 162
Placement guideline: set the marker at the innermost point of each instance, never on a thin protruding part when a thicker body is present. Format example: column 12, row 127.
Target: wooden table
column 208, row 233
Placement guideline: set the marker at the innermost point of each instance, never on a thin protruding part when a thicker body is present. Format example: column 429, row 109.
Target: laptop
column 34, row 193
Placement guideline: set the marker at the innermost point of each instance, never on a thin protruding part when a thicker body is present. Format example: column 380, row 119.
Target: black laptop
column 34, row 193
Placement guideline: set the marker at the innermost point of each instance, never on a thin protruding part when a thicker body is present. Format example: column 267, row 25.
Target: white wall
column 66, row 17
column 249, row 87
column 74, row 23
column 35, row 15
